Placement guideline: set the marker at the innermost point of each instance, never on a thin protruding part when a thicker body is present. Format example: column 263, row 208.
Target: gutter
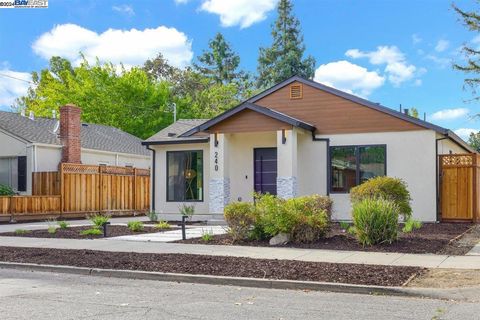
column 169, row 142
column 437, row 175
column 154, row 156
column 329, row 176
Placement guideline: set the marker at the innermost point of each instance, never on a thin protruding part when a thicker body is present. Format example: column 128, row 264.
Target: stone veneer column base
column 287, row 187
column 219, row 194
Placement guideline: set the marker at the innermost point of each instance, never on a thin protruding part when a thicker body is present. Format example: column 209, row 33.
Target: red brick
column 70, row 133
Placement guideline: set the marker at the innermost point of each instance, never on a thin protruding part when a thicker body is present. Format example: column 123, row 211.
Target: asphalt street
column 39, row 295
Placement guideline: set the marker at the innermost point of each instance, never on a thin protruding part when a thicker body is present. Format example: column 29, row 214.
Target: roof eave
column 169, row 142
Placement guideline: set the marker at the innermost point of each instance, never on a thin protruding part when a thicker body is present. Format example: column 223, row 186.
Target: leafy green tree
column 474, row 141
column 471, row 19
column 126, row 99
column 220, row 63
column 413, row 112
column 285, row 57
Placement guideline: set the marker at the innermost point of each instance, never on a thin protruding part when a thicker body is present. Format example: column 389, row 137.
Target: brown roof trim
column 176, row 141
column 250, row 106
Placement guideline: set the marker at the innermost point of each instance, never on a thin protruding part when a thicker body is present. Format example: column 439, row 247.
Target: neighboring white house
column 29, row 144
column 296, row 138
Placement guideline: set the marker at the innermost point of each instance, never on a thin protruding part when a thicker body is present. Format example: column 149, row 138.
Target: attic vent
column 172, row 134
column 296, row 91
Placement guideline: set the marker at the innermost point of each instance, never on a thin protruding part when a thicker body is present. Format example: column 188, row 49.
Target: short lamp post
column 184, row 221
column 105, row 229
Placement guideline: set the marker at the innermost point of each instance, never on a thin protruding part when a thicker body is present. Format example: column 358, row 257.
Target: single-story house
column 297, row 138
column 29, row 144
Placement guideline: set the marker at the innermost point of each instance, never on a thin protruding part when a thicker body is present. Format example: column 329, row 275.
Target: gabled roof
column 93, row 136
column 173, row 133
column 250, row 106
column 366, row 103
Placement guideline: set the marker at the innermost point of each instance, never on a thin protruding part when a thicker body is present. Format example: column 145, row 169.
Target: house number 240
column 216, row 160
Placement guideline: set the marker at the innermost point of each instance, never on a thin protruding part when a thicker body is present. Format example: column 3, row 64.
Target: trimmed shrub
column 135, row 226
column 305, row 219
column 240, row 217
column 6, row 190
column 375, row 221
column 388, row 188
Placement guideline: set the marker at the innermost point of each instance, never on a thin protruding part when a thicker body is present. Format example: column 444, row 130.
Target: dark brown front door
column 265, row 170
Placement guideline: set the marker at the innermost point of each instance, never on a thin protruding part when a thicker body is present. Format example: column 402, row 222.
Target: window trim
column 357, row 163
column 166, row 176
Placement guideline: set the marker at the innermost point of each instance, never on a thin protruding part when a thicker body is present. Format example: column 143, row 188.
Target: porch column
column 219, row 184
column 287, row 163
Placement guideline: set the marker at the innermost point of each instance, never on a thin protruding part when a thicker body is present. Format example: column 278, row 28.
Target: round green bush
column 375, row 221
column 240, row 218
column 388, row 188
column 305, row 219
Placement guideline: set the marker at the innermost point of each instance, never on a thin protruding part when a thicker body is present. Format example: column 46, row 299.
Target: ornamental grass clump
column 135, row 226
column 99, row 220
column 375, row 221
column 240, row 218
column 387, row 188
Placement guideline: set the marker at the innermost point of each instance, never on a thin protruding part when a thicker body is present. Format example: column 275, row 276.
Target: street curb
column 219, row 280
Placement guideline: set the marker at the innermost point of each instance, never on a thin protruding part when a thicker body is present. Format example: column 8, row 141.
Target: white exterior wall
column 447, row 146
column 170, row 210
column 410, row 156
column 241, row 147
column 11, row 147
column 312, row 166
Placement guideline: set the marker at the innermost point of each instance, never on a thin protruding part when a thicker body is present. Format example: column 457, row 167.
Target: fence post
column 134, row 190
column 62, row 201
column 474, row 182
column 100, row 193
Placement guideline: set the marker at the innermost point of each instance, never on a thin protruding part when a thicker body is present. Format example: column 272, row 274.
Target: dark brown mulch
column 215, row 265
column 74, row 232
column 431, row 238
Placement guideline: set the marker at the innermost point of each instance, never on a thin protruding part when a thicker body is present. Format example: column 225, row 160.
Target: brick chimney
column 70, row 127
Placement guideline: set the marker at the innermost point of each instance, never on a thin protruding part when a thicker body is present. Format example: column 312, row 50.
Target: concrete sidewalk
column 315, row 255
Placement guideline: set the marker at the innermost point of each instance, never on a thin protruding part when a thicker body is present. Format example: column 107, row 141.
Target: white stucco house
column 297, row 138
column 29, row 144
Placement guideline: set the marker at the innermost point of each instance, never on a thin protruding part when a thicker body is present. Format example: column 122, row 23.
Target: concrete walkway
column 315, row 255
column 38, row 225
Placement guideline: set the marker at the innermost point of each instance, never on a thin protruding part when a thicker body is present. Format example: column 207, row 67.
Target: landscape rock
column 279, row 239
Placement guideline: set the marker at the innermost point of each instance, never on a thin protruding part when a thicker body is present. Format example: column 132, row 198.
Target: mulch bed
column 215, row 265
column 431, row 238
column 74, row 232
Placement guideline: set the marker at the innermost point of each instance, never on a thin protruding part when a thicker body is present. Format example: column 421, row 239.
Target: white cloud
column 181, row 1
column 464, row 133
column 441, row 62
column 130, row 47
column 450, row 114
column 349, row 77
column 397, row 68
column 125, row 9
column 12, row 86
column 243, row 13
column 416, row 38
column 442, row 45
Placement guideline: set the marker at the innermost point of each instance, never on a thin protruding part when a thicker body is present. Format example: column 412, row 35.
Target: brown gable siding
column 332, row 114
column 249, row 121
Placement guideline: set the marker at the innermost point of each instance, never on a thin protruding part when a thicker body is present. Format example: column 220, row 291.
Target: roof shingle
column 93, row 136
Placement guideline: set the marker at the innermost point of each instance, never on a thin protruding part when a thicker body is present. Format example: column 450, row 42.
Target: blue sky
column 393, row 52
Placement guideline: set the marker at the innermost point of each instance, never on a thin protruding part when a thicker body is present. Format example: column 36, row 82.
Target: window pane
column 372, row 162
column 343, row 168
column 185, row 176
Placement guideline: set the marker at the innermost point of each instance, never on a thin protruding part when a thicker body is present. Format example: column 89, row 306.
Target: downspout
column 437, row 174
column 153, row 175
column 329, row 176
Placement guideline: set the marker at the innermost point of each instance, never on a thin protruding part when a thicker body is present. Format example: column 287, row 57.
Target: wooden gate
column 459, row 187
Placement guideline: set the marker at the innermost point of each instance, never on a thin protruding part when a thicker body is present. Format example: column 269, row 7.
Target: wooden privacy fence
column 79, row 189
column 459, row 187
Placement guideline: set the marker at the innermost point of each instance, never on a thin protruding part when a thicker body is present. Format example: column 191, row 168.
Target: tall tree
column 471, row 19
column 219, row 63
column 474, row 141
column 285, row 57
column 126, row 99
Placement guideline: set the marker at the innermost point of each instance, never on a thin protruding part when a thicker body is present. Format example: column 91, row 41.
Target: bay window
column 353, row 165
column 185, row 176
